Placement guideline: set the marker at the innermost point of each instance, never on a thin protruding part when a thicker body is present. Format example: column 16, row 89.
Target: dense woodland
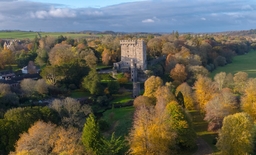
column 161, row 124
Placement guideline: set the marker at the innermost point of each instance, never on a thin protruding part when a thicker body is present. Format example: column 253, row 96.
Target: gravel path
column 203, row 147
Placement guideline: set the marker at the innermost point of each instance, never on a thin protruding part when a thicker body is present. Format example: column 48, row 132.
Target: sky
column 164, row 16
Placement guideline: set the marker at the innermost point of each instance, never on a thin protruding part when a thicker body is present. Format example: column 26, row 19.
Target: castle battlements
column 128, row 42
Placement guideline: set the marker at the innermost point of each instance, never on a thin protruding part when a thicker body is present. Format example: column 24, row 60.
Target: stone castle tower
column 133, row 60
column 132, row 50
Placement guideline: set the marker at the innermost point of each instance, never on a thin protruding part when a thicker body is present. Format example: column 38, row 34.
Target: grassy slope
column 31, row 35
column 120, row 120
column 200, row 127
column 245, row 63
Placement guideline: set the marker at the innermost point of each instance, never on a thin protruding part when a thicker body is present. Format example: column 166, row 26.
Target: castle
column 133, row 60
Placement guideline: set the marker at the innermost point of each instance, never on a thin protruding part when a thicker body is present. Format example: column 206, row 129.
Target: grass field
column 120, row 120
column 31, row 35
column 79, row 94
column 122, row 98
column 200, row 126
column 245, row 63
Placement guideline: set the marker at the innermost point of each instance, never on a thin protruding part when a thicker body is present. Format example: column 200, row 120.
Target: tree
column 236, row 135
column 186, row 91
column 113, row 87
column 71, row 112
column 112, row 146
column 41, row 87
column 51, row 75
column 28, row 86
column 36, row 139
column 4, row 89
column 205, row 90
column 178, row 74
column 66, row 140
column 142, row 101
column 31, row 68
column 9, row 133
column 106, row 56
column 240, row 79
column 220, row 79
column 92, row 82
column 91, row 136
column 222, row 105
column 163, row 96
column 20, row 120
column 46, row 138
column 154, row 47
column 195, row 71
column 143, row 138
column 60, row 54
column 42, row 57
column 180, row 122
column 151, row 85
column 249, row 98
column 91, row 60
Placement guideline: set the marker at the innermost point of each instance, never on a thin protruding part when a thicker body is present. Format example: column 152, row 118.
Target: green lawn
column 31, row 35
column 122, row 98
column 200, row 127
column 245, row 63
column 119, row 119
column 79, row 94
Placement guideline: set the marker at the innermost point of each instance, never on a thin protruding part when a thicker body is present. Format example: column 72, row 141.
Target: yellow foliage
column 249, row 99
column 205, row 90
column 151, row 85
column 150, row 134
column 236, row 135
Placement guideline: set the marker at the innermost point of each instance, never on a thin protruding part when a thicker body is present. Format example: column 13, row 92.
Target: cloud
column 147, row 16
column 246, row 7
column 148, row 21
column 54, row 12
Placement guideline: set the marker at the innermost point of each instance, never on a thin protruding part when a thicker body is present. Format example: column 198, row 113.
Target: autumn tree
column 222, row 105
column 142, row 101
column 163, row 96
column 60, row 54
column 41, row 86
column 71, row 112
column 249, row 98
column 220, row 79
column 28, row 86
column 205, row 90
column 4, row 89
column 154, row 47
column 91, row 60
column 236, row 135
column 151, row 85
column 195, row 71
column 178, row 74
column 187, row 93
column 31, row 68
column 180, row 122
column 47, row 138
column 240, row 79
column 106, row 56
column 35, row 141
column 143, row 138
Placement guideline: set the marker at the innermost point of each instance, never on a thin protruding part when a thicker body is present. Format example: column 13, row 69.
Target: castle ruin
column 133, row 60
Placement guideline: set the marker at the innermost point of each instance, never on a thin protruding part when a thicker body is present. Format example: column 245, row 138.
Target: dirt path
column 203, row 147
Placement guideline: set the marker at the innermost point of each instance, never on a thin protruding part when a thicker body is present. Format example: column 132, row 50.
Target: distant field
column 245, row 63
column 31, row 35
